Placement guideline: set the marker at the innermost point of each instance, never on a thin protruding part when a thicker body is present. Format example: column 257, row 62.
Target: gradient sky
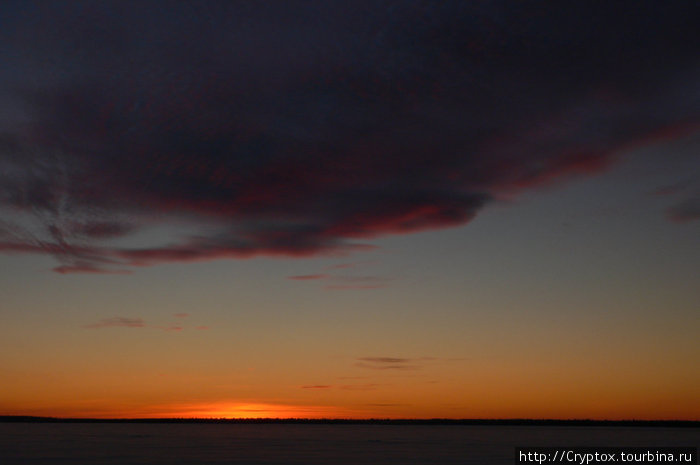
column 350, row 209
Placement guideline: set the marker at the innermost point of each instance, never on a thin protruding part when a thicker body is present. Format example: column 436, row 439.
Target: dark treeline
column 372, row 421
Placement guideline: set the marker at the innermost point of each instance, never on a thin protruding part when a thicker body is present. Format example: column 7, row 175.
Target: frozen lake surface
column 267, row 444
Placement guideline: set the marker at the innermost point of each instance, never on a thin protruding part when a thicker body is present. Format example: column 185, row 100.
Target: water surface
column 268, row 444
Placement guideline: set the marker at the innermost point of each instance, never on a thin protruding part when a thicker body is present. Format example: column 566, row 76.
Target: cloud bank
column 305, row 128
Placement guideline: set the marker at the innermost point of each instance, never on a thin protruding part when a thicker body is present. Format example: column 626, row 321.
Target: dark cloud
column 317, row 386
column 118, row 322
column 304, row 128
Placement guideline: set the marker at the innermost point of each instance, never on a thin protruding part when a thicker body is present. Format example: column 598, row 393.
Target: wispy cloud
column 387, row 363
column 317, row 386
column 335, row 281
column 117, row 322
column 384, row 360
column 307, row 277
column 181, row 315
column 398, row 363
column 171, row 328
column 127, row 322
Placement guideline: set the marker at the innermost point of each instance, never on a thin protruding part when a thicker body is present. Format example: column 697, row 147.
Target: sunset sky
column 381, row 209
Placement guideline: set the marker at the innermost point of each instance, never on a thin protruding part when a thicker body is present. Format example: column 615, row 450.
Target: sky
column 386, row 209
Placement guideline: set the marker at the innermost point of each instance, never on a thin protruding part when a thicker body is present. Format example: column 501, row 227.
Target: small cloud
column 181, row 315
column 307, row 277
column 117, row 322
column 685, row 211
column 386, row 363
column 173, row 328
column 384, row 360
column 317, row 386
column 676, row 188
column 393, row 363
column 345, row 282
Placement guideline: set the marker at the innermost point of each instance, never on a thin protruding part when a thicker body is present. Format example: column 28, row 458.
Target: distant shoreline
column 331, row 421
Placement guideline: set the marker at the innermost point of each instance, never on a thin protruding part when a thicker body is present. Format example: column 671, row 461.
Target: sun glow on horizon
column 232, row 410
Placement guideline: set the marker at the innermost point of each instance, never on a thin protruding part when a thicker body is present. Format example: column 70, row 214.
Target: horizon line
column 394, row 421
